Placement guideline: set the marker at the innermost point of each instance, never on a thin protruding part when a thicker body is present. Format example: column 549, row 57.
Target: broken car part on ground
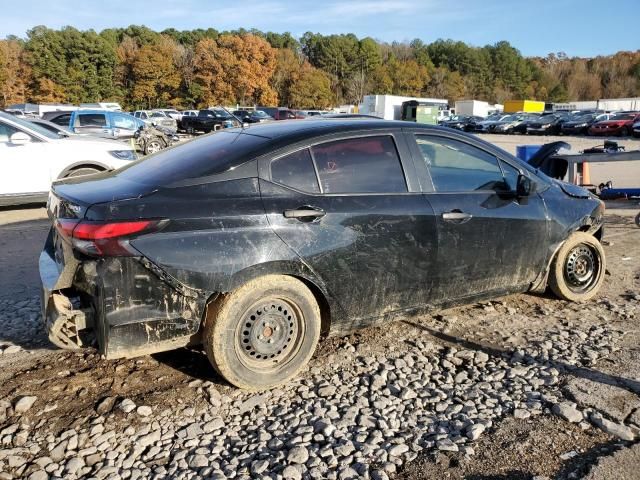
column 257, row 241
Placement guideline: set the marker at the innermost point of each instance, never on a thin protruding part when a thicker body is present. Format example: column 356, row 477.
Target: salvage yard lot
column 510, row 388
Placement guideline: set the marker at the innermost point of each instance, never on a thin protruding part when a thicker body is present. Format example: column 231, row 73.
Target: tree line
column 142, row 68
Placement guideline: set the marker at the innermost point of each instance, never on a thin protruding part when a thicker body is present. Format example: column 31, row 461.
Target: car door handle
column 456, row 216
column 304, row 213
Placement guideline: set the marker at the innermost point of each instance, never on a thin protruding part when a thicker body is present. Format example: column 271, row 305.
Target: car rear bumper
column 124, row 305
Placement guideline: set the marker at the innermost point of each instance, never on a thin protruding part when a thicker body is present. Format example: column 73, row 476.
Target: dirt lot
column 523, row 387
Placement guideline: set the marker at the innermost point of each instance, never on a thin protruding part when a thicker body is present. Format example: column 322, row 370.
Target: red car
column 620, row 124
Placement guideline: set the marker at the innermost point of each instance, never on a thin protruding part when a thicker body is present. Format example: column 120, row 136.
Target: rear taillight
column 104, row 239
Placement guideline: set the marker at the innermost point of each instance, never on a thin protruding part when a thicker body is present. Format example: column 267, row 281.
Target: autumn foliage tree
column 155, row 75
column 140, row 67
column 15, row 73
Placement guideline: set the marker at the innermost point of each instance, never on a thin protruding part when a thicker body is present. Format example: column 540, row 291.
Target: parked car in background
column 158, row 119
column 279, row 113
column 208, row 120
column 620, row 124
column 252, row 116
column 515, row 123
column 257, row 241
column 113, row 125
column 33, row 157
column 545, row 125
column 466, row 123
column 580, row 124
column 175, row 114
column 485, row 125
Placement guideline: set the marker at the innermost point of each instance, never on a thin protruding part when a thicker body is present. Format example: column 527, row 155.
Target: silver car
column 158, row 119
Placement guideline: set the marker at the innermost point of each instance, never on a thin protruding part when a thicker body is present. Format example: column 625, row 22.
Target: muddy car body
column 255, row 241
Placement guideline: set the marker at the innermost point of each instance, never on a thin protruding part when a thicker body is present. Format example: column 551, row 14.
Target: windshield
column 157, row 114
column 584, row 118
column 511, row 118
column 32, row 127
column 260, row 114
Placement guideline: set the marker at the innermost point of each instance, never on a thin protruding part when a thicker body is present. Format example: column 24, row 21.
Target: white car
column 31, row 157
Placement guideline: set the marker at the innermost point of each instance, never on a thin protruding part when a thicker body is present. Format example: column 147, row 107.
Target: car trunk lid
column 79, row 193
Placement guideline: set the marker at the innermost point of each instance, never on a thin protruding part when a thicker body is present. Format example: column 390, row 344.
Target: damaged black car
column 258, row 242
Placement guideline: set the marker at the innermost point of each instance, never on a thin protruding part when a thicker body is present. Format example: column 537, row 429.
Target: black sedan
column 545, row 125
column 582, row 123
column 466, row 123
column 257, row 241
column 252, row 116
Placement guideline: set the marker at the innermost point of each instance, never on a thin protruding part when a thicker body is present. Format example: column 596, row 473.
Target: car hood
column 572, row 190
column 574, row 123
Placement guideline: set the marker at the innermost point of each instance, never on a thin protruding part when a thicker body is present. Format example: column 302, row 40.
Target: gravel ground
column 521, row 387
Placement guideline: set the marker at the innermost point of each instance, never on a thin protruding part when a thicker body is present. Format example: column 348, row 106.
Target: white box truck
column 475, row 108
column 613, row 104
column 389, row 107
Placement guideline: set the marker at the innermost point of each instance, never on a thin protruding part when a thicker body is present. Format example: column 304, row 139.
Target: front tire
column 262, row 334
column 577, row 272
column 153, row 146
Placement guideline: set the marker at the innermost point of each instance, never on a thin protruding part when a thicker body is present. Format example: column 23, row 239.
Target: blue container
column 525, row 152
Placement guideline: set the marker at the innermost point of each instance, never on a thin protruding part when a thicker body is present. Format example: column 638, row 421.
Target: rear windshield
column 207, row 155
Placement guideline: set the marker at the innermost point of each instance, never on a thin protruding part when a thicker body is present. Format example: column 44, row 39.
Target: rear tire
column 82, row 171
column 577, row 272
column 624, row 132
column 262, row 334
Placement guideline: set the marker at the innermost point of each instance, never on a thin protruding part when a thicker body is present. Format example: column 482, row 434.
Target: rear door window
column 296, row 171
column 459, row 167
column 91, row 120
column 359, row 165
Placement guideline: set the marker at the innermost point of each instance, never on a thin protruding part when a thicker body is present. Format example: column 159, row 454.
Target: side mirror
column 19, row 138
column 525, row 186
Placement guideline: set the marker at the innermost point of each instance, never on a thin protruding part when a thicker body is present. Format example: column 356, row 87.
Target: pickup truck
column 208, row 120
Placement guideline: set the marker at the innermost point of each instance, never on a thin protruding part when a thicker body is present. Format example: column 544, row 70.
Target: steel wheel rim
column 581, row 268
column 269, row 334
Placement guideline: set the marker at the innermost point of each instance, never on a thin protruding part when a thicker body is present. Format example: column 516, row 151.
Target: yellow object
column 530, row 106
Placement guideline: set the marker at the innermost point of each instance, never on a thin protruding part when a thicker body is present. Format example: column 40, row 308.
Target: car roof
column 325, row 126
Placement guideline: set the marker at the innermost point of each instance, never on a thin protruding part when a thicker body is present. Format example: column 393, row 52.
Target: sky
column 583, row 28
